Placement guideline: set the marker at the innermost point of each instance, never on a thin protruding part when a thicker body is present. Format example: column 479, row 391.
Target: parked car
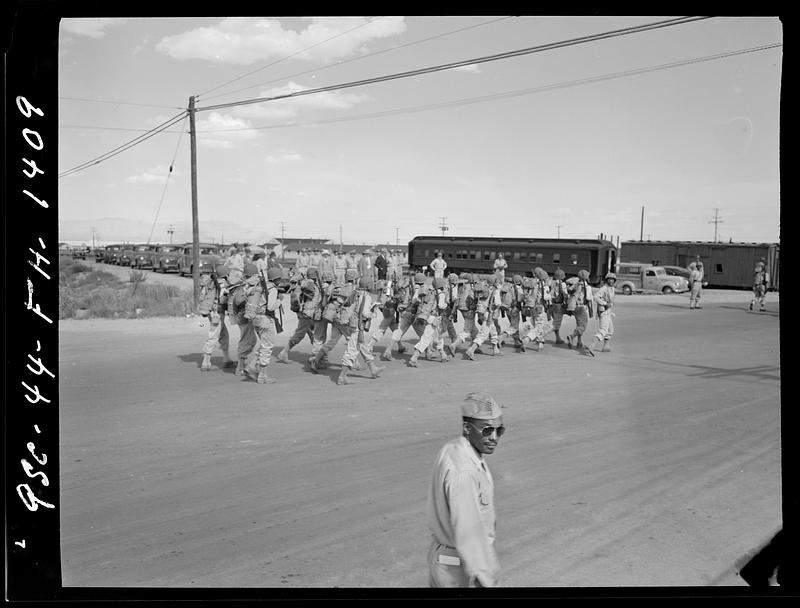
column 78, row 253
column 98, row 254
column 112, row 253
column 166, row 258
column 138, row 256
column 677, row 271
column 632, row 277
column 209, row 257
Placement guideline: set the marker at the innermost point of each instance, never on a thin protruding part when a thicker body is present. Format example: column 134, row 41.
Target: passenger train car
column 477, row 255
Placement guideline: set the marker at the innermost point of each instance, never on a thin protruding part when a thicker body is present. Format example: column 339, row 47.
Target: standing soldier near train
column 760, row 286
column 604, row 301
column 500, row 265
column 326, row 263
column 339, row 267
column 579, row 305
column 212, row 304
column 304, row 301
column 263, row 304
column 696, row 277
column 438, row 265
column 302, row 264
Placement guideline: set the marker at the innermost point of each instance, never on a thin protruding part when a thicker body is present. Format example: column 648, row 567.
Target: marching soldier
column 604, row 301
column 450, row 315
column 540, row 298
column 369, row 316
column 513, row 300
column 305, row 298
column 432, row 305
column 321, row 324
column 760, row 286
column 213, row 302
column 263, row 303
column 579, row 304
column 485, row 309
column 466, row 305
column 409, row 313
column 558, row 302
column 389, row 317
column 237, row 300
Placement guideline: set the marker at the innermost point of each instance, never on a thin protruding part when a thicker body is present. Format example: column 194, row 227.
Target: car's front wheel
column 626, row 289
column 667, row 290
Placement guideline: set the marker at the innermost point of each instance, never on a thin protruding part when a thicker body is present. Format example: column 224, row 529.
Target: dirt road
column 657, row 464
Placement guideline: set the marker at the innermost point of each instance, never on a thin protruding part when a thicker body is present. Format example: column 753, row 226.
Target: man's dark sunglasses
column 486, row 431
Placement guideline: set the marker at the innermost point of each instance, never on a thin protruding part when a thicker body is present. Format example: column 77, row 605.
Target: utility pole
column 170, row 230
column 716, row 221
column 341, row 242
column 641, row 226
column 92, row 237
column 195, row 220
column 283, row 247
column 397, row 237
column 559, row 227
column 443, row 226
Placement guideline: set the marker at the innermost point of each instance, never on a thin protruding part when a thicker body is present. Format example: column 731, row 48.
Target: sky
column 665, row 134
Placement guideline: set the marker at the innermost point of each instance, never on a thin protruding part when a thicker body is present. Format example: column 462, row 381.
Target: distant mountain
column 117, row 229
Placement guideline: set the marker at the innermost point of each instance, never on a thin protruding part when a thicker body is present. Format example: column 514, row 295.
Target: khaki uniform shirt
column 460, row 508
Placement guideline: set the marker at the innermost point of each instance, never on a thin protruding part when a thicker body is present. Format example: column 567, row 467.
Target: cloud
column 224, row 131
column 289, row 156
column 292, row 106
column 93, row 28
column 152, row 176
column 245, row 40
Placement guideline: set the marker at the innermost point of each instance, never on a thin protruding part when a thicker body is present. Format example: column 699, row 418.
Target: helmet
column 517, row 279
column 222, row 271
column 466, row 277
column 365, row 282
column 327, row 276
column 250, row 269
column 583, row 274
column 312, row 273
column 351, row 274
column 559, row 274
column 527, row 282
column 499, row 280
column 419, row 278
column 539, row 273
column 439, row 283
column 274, row 273
column 611, row 275
column 452, row 278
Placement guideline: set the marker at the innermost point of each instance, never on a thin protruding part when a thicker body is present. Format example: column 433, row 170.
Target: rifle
column 520, row 305
column 265, row 290
column 361, row 325
column 545, row 303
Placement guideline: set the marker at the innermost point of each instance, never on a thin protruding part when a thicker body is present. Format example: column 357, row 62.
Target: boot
column 751, row 304
column 589, row 350
column 523, row 344
column 263, row 378
column 387, row 354
column 374, row 370
column 471, row 351
column 540, row 346
column 558, row 338
column 205, row 366
column 443, row 356
column 313, row 363
column 283, row 357
column 240, row 367
column 229, row 363
column 496, row 351
column 412, row 362
column 452, row 346
column 606, row 346
column 343, row 376
column 357, row 367
column 401, row 348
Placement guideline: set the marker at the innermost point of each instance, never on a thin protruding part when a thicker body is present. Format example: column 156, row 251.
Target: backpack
column 294, row 299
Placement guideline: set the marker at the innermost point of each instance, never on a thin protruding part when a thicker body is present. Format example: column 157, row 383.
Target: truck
column 633, row 277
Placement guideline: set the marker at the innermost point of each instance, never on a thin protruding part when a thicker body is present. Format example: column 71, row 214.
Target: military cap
column 419, row 278
column 352, row 251
column 559, row 274
column 365, row 282
column 325, row 252
column 611, row 275
column 517, row 279
column 480, row 406
column 439, row 283
column 312, row 273
column 250, row 269
column 571, row 281
column 274, row 273
column 351, row 274
column 583, row 274
column 222, row 271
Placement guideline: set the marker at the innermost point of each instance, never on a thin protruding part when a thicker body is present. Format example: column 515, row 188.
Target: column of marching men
column 373, row 305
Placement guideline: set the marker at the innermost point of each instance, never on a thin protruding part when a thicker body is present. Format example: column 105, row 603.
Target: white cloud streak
column 92, row 28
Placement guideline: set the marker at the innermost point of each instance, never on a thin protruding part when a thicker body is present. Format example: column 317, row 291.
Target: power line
column 293, row 55
column 506, row 94
column 121, row 103
column 455, row 64
column 118, row 150
column 166, row 183
column 360, row 57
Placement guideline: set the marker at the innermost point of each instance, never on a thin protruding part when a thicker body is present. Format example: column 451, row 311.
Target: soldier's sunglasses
column 486, row 431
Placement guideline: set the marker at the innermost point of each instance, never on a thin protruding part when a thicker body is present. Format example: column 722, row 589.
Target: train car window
column 427, row 253
column 539, row 257
column 573, row 258
column 488, row 255
column 556, row 258
column 474, row 255
column 516, row 256
column 718, row 268
column 508, row 255
column 450, row 254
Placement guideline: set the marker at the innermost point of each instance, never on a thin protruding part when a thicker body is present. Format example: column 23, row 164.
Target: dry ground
column 657, row 464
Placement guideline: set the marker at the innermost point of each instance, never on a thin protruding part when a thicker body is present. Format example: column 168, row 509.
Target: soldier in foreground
column 604, row 301
column 433, row 304
column 579, row 305
column 460, row 507
column 760, row 285
column 212, row 304
column 486, row 308
column 237, row 301
column 305, row 299
column 558, row 302
column 696, row 278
